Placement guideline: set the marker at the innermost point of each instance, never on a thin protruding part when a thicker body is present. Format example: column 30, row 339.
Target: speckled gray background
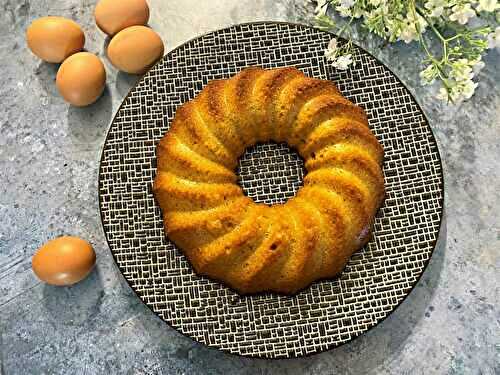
column 49, row 153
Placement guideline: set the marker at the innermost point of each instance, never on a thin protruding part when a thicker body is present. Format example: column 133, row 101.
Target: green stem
column 419, row 32
column 440, row 71
column 436, row 31
column 454, row 37
column 444, row 40
column 348, row 24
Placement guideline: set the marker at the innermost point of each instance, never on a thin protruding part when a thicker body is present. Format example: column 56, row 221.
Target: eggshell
column 53, row 39
column 64, row 260
column 113, row 16
column 135, row 49
column 81, row 79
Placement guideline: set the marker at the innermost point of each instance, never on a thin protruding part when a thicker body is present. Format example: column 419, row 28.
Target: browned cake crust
column 254, row 247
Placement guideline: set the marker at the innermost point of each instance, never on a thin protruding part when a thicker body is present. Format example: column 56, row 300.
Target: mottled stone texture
column 49, row 153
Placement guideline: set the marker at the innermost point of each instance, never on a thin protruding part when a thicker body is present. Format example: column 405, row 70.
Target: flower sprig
column 463, row 29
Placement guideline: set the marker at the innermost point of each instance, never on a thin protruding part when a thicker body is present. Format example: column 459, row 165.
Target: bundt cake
column 255, row 247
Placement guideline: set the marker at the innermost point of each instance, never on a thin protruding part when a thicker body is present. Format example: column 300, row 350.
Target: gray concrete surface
column 49, row 154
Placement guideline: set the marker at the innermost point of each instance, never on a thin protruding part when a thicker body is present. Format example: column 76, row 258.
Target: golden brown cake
column 255, row 247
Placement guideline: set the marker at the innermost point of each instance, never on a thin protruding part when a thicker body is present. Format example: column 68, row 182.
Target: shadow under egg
column 75, row 304
column 125, row 82
column 46, row 76
column 88, row 125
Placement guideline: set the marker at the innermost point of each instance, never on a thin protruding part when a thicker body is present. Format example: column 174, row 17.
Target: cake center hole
column 270, row 173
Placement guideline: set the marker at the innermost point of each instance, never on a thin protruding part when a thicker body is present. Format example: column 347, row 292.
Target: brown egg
column 53, row 39
column 135, row 49
column 64, row 260
column 81, row 79
column 113, row 16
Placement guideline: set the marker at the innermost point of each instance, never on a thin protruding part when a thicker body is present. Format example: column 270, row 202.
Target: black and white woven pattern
column 328, row 313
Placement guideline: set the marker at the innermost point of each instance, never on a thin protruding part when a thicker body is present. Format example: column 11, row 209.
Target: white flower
column 408, row 32
column 400, row 20
column 461, row 91
column 428, row 75
column 333, row 44
column 343, row 11
column 460, row 85
column 358, row 12
column 494, row 39
column 343, row 62
column 422, row 23
column 442, row 94
column 393, row 29
column 437, row 12
column 487, row 6
column 462, row 13
column 408, row 35
column 467, row 89
column 436, row 7
column 461, row 70
column 455, row 94
column 346, row 3
column 331, row 50
column 321, row 7
column 429, row 4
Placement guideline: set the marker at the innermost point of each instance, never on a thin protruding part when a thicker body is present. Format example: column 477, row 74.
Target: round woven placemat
column 328, row 313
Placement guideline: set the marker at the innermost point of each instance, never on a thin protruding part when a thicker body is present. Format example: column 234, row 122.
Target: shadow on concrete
column 105, row 44
column 88, row 125
column 124, row 82
column 46, row 75
column 75, row 304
